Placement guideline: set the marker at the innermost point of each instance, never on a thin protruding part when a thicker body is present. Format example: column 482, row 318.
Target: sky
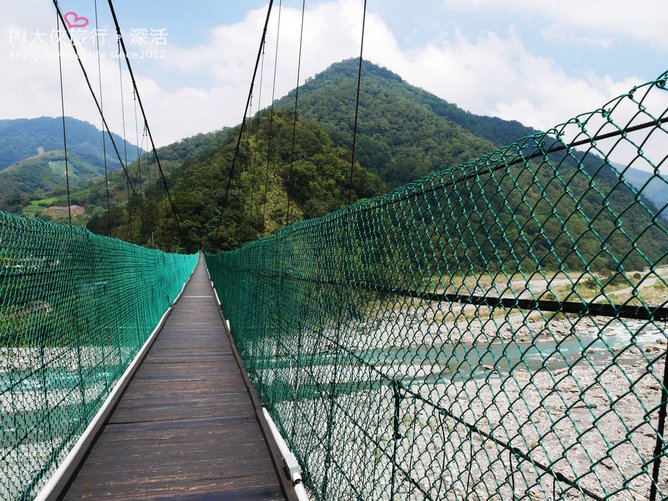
column 537, row 62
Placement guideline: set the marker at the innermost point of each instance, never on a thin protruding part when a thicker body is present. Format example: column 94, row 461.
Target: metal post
column 512, row 473
column 328, row 451
column 295, row 393
column 395, row 433
column 470, row 463
column 660, row 432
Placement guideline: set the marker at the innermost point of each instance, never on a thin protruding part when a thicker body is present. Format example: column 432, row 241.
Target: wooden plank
column 186, row 427
column 201, row 489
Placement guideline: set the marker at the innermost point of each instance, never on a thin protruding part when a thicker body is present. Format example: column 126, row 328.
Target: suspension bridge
column 484, row 332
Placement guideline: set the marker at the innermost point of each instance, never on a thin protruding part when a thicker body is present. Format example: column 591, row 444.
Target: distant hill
column 26, row 137
column 41, row 174
column 46, row 172
column 656, row 190
column 32, row 159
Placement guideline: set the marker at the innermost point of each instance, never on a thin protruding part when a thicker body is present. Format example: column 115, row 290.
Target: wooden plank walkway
column 186, row 426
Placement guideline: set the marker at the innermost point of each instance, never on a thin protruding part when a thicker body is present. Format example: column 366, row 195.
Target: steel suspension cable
column 253, row 162
column 104, row 140
column 129, row 237
column 342, row 298
column 143, row 112
column 294, row 122
column 271, row 123
column 134, row 98
column 357, row 108
column 125, row 142
column 62, row 109
column 249, row 160
column 150, row 198
column 90, row 89
column 259, row 106
column 144, row 140
column 120, row 86
column 247, row 165
column 243, row 121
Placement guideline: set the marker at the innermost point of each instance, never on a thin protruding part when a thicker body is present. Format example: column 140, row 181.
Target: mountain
column 404, row 132
column 257, row 203
column 32, row 158
column 45, row 173
column 27, row 137
column 653, row 186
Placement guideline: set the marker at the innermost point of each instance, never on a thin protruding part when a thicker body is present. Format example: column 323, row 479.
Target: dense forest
column 404, row 132
column 316, row 175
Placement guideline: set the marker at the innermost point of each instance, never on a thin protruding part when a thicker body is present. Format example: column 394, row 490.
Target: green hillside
column 26, row 137
column 43, row 173
column 32, row 161
column 198, row 170
column 405, row 133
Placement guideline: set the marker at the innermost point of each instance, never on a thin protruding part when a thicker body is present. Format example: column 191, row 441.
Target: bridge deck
column 186, row 426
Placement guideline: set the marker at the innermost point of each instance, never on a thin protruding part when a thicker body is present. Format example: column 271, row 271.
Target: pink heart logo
column 75, row 21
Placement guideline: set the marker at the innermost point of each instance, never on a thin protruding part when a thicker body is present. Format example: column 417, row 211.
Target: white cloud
column 490, row 74
column 558, row 33
column 499, row 76
column 331, row 33
column 29, row 57
column 643, row 20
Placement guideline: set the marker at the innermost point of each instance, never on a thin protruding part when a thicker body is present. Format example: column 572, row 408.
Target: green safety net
column 496, row 330
column 75, row 308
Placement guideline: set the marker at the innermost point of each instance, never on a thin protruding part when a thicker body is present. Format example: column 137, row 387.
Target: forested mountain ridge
column 404, row 134
column 41, row 174
column 23, row 138
column 32, row 157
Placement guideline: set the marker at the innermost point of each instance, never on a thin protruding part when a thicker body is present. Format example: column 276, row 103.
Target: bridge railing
column 75, row 308
column 494, row 330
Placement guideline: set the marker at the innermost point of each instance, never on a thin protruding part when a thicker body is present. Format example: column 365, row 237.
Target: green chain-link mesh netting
column 496, row 330
column 75, row 308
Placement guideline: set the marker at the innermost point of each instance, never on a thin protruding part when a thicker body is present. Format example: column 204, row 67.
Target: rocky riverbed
column 545, row 408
